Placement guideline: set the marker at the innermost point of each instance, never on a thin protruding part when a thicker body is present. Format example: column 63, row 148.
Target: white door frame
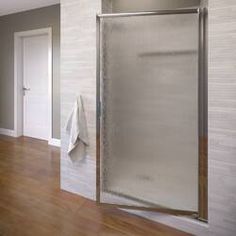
column 18, row 78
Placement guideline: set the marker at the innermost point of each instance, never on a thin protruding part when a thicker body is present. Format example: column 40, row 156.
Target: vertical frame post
column 98, row 112
column 203, row 127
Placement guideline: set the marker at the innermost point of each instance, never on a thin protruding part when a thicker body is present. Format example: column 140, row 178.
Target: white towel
column 76, row 127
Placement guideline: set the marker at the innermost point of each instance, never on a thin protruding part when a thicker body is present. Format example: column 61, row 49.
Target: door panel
column 149, row 136
column 35, row 74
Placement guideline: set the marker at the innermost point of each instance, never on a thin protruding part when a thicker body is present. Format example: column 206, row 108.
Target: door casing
column 18, row 78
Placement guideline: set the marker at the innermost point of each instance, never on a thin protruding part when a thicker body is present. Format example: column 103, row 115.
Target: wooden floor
column 31, row 202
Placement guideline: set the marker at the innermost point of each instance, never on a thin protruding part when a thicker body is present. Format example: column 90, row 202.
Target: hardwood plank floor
column 31, row 202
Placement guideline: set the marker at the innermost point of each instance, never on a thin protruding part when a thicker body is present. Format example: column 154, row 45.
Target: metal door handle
column 26, row 89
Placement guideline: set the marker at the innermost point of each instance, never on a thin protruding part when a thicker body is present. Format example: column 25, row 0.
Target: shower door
column 148, row 111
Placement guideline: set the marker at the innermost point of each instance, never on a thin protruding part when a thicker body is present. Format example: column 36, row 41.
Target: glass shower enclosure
column 150, row 105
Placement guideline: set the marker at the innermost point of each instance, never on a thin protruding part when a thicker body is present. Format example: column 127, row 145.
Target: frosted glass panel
column 149, row 114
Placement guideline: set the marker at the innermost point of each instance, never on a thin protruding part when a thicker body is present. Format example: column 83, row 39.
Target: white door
column 36, row 87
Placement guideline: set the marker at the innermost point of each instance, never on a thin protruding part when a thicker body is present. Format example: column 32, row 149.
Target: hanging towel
column 76, row 127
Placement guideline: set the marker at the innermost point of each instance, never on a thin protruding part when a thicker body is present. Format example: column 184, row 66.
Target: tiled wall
column 79, row 75
column 222, row 117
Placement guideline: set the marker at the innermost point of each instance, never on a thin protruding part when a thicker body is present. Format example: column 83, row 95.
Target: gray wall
column 78, row 73
column 39, row 18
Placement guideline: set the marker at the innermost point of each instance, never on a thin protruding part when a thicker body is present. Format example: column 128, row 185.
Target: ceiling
column 13, row 6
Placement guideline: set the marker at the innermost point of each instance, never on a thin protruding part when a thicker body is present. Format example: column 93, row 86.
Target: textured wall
column 78, row 75
column 34, row 19
column 222, row 117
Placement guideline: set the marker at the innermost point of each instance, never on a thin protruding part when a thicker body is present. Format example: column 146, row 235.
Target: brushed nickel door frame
column 202, row 65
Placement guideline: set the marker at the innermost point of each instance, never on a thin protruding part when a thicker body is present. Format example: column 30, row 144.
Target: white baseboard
column 8, row 132
column 54, row 142
column 12, row 133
